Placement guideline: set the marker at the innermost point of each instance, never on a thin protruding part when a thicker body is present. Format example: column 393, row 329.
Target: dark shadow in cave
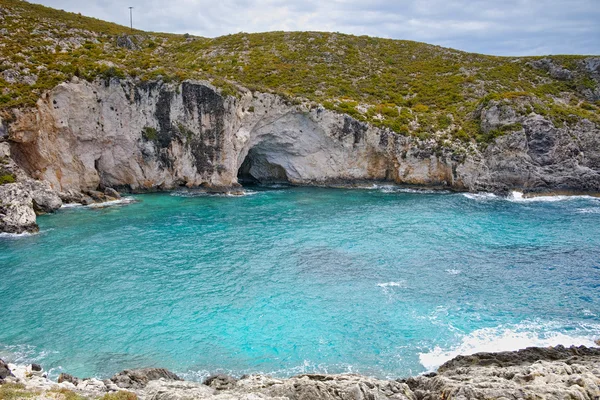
column 257, row 169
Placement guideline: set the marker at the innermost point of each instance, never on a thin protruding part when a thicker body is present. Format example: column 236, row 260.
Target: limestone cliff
column 140, row 136
column 159, row 136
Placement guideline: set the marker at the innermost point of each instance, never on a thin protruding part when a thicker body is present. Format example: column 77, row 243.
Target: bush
column 6, row 178
column 421, row 108
column 120, row 395
column 149, row 133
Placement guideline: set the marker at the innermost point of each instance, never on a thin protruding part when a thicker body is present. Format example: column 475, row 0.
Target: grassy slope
column 412, row 88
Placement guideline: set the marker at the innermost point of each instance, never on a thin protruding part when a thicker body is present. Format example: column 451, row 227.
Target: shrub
column 421, row 108
column 149, row 133
column 120, row 395
column 7, row 178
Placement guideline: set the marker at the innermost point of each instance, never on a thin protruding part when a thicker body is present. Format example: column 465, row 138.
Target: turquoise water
column 385, row 282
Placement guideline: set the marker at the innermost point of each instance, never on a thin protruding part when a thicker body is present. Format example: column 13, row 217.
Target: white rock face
column 16, row 209
column 84, row 137
column 160, row 136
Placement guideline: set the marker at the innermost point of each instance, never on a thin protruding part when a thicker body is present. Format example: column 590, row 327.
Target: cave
column 262, row 166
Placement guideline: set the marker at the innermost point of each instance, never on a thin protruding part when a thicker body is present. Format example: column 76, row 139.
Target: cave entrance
column 261, row 166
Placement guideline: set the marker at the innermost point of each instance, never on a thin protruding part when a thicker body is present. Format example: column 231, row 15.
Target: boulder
column 45, row 200
column 16, row 209
column 68, row 378
column 220, row 382
column 139, row 378
column 110, row 192
column 4, row 370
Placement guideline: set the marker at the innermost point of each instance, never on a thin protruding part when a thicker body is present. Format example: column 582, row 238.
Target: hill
column 412, row 88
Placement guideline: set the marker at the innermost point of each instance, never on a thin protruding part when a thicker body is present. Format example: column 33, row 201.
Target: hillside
column 413, row 88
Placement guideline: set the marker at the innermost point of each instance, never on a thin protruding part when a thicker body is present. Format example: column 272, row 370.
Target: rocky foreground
column 532, row 373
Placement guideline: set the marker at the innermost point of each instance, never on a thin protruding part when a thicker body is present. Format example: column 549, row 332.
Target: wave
column 72, row 205
column 481, row 196
column 306, row 367
column 519, row 197
column 401, row 284
column 588, row 211
column 199, row 193
column 453, row 271
column 400, row 189
column 123, row 201
column 5, row 235
column 513, row 337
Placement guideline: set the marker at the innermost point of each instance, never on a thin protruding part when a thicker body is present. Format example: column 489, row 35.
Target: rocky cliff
column 138, row 136
column 532, row 373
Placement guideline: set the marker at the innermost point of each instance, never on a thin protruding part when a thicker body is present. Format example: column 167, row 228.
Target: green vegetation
column 150, row 134
column 412, row 88
column 66, row 394
column 7, row 178
column 14, row 391
column 121, row 395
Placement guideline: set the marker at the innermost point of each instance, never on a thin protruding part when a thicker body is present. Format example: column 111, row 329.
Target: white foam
column 400, row 284
column 16, row 235
column 511, row 338
column 588, row 210
column 480, row 196
column 123, row 201
column 519, row 198
column 199, row 193
column 453, row 271
column 72, row 205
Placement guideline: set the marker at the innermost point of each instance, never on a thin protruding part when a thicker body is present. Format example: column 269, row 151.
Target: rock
column 112, row 193
column 20, row 201
column 220, row 382
column 138, row 378
column 92, row 386
column 126, row 42
column 176, row 390
column 87, row 200
column 11, row 76
column 555, row 71
column 4, row 370
column 597, row 341
column 96, row 195
column 45, row 200
column 16, row 209
column 68, row 378
column 36, row 367
column 526, row 356
column 326, row 387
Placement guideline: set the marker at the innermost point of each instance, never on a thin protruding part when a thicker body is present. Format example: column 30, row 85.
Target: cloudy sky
column 500, row 27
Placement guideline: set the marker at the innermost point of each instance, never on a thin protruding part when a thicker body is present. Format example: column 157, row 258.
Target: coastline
column 535, row 372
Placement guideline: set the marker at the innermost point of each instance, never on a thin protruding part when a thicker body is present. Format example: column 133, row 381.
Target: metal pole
column 131, row 17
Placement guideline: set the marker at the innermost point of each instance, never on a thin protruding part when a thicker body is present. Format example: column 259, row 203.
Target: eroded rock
column 139, row 378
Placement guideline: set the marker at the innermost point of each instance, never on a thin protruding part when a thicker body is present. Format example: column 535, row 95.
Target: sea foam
column 511, row 338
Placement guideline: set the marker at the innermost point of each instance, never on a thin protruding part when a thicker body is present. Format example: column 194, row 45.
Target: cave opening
column 261, row 167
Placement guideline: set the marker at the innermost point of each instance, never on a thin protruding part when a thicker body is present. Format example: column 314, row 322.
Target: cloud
column 511, row 27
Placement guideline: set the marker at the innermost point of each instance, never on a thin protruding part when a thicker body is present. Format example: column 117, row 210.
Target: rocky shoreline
column 533, row 373
column 83, row 140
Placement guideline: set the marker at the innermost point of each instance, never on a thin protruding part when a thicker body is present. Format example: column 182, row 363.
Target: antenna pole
column 131, row 18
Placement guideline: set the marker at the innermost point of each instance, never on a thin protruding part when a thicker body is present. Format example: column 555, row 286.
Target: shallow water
column 386, row 282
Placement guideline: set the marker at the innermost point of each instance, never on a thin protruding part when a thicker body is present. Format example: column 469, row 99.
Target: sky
column 498, row 27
